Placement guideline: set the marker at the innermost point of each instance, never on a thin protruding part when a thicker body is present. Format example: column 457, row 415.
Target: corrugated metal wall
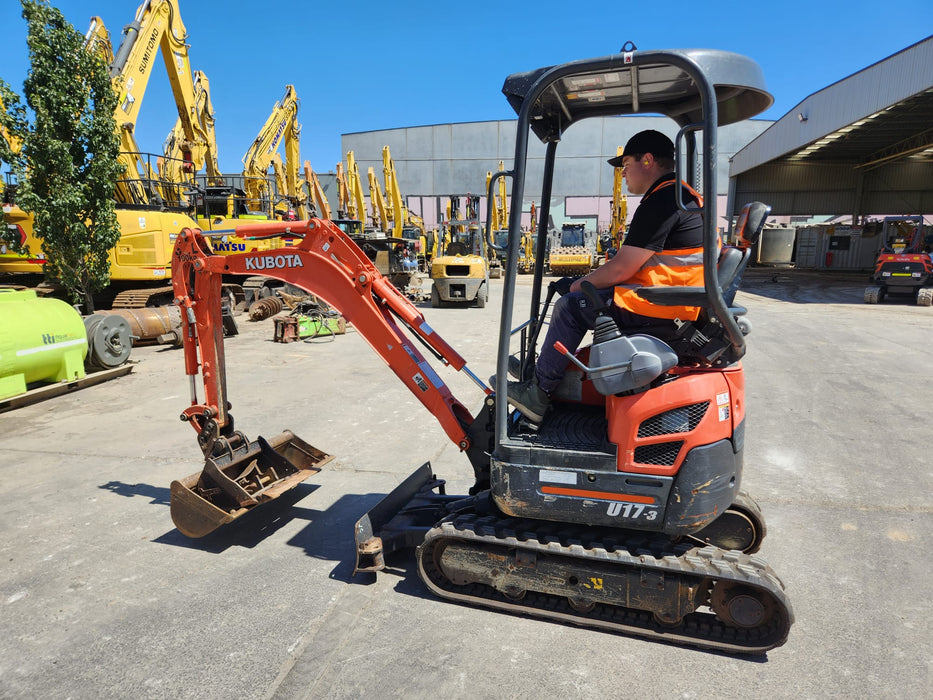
column 831, row 189
column 454, row 158
column 837, row 247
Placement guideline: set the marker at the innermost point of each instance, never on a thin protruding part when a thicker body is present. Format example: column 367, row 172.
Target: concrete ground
column 100, row 596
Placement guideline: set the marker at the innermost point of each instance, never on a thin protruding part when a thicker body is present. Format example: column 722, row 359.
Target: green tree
column 12, row 131
column 70, row 154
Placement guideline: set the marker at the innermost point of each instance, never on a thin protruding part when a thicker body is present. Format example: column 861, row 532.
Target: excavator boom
column 157, row 26
column 328, row 264
column 357, row 207
column 619, row 207
column 380, row 217
column 177, row 146
column 318, row 198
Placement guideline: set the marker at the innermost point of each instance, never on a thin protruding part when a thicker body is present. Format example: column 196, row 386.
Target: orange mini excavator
column 622, row 510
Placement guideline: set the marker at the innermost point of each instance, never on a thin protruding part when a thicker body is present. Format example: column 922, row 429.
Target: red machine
column 622, row 510
column 903, row 268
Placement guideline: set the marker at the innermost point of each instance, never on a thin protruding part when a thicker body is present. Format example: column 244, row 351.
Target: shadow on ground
column 806, row 286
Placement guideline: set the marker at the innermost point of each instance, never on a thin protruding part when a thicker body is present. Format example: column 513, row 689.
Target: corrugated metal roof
column 880, row 114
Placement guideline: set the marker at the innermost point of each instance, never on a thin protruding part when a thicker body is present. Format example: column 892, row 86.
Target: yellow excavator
column 175, row 149
column 151, row 209
column 281, row 127
column 356, row 205
column 528, row 243
column 377, row 203
column 498, row 214
column 404, row 224
column 13, row 217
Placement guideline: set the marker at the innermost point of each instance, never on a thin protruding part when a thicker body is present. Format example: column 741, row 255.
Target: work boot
column 515, row 370
column 530, row 399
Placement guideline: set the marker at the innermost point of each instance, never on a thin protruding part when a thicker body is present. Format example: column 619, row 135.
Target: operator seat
column 654, row 350
column 704, row 339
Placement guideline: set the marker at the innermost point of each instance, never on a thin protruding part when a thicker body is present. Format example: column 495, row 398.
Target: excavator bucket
column 232, row 484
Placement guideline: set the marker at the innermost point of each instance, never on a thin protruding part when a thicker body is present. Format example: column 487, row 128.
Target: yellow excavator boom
column 318, row 198
column 619, row 206
column 175, row 145
column 357, row 204
column 343, row 192
column 157, row 26
column 380, row 217
column 282, row 123
column 97, row 40
column 393, row 196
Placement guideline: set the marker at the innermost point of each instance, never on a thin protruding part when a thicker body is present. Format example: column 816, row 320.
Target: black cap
column 649, row 141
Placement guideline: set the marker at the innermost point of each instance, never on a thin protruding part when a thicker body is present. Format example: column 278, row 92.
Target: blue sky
column 364, row 65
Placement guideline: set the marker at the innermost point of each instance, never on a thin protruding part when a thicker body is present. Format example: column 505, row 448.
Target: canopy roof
column 639, row 82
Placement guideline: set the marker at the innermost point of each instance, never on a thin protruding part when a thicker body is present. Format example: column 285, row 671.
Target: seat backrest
column 734, row 259
column 731, row 266
column 750, row 223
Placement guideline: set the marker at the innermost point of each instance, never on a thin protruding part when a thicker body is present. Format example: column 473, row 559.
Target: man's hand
column 564, row 285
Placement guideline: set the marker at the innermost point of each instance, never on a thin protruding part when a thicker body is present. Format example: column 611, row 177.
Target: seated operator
column 664, row 247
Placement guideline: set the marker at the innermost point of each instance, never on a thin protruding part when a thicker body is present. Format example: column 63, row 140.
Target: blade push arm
column 328, row 264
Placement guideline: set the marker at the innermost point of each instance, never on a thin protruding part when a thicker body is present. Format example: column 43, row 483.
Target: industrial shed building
column 855, row 152
column 433, row 162
column 862, row 146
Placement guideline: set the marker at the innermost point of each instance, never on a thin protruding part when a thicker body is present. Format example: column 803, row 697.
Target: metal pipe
column 130, row 35
column 152, row 323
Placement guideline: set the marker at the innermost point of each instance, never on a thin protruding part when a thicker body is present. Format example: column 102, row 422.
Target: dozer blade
column 401, row 519
column 232, row 484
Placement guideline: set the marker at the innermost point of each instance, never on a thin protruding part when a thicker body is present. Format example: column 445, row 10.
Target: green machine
column 41, row 340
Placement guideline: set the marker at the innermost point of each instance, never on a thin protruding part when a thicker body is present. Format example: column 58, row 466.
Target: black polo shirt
column 658, row 224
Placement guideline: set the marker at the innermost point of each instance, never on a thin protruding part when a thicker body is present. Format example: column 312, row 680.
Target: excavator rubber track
column 629, row 582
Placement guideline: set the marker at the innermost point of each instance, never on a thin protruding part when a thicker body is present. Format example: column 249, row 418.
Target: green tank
column 41, row 340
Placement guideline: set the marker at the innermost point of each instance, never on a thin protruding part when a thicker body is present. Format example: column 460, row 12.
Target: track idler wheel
column 741, row 527
column 741, row 606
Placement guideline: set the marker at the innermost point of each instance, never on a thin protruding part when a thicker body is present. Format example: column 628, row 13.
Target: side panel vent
column 682, row 419
column 661, row 453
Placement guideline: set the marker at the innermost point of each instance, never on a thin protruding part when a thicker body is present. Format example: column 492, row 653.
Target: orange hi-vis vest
column 681, row 267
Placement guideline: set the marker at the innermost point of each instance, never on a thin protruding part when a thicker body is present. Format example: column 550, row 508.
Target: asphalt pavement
column 101, row 597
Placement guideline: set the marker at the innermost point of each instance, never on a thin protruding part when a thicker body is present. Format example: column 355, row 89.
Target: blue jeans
column 573, row 315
